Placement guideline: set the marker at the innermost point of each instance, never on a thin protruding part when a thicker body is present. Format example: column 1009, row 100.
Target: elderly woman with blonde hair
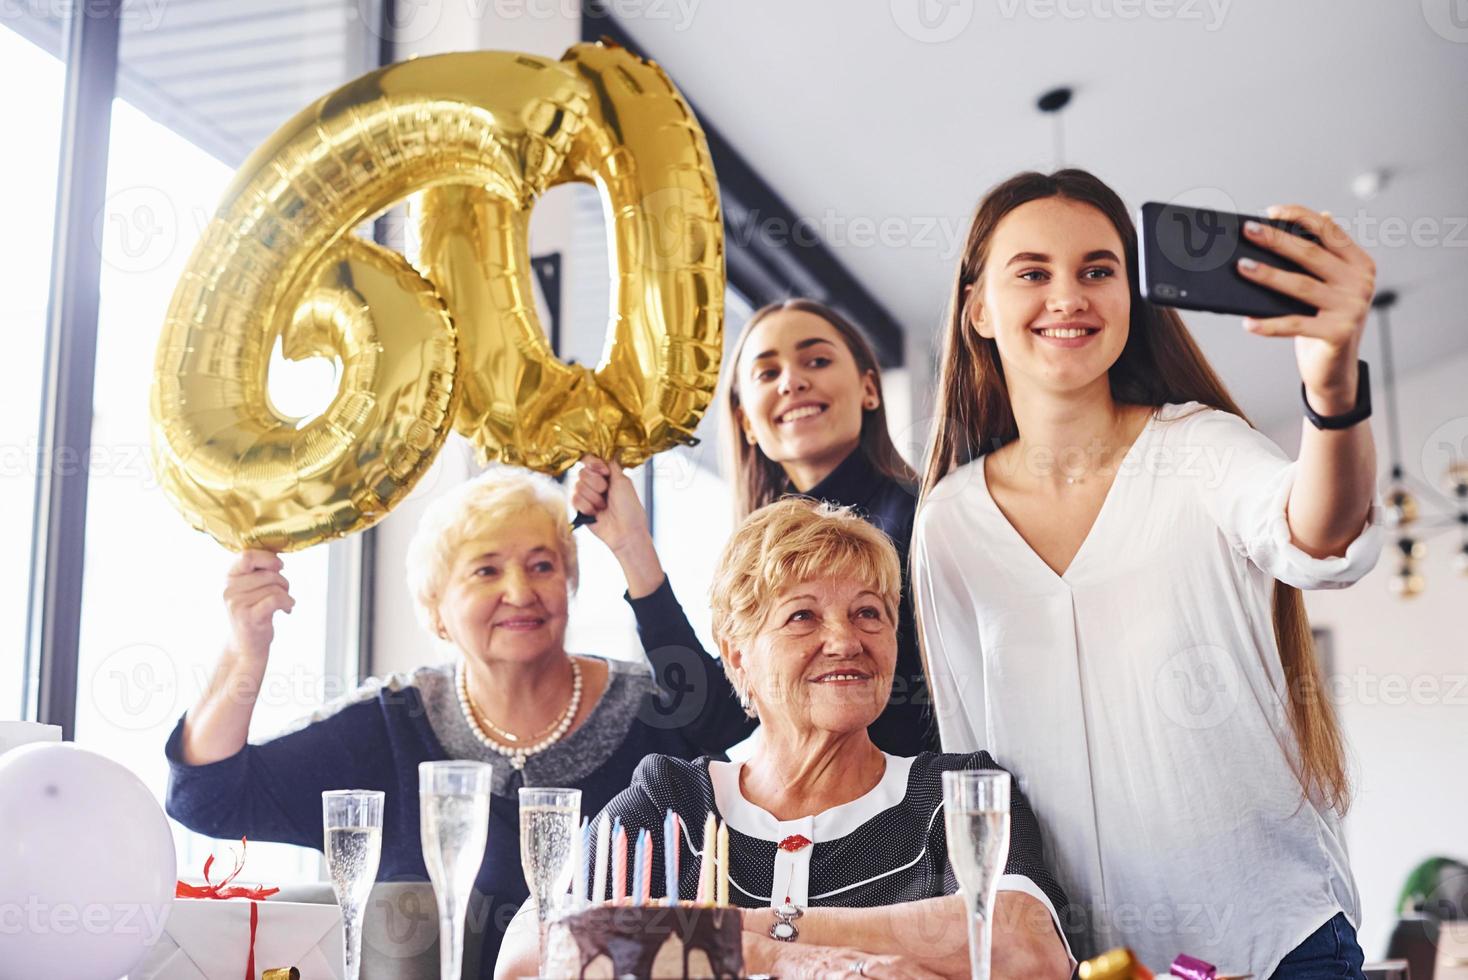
column 492, row 568
column 837, row 850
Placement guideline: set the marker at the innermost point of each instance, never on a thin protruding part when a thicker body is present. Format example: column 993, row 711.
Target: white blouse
column 1138, row 698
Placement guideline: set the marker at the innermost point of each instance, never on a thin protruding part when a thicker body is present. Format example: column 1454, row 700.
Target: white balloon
column 87, row 866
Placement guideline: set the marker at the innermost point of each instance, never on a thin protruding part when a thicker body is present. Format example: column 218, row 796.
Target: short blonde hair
column 792, row 541
column 472, row 509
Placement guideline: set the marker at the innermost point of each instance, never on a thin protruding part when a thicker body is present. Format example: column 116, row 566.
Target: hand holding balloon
column 254, row 591
column 618, row 518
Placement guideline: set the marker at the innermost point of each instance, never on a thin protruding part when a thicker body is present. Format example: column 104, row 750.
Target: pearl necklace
column 519, row 753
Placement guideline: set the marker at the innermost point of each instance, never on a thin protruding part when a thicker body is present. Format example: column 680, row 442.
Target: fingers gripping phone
column 1188, row 258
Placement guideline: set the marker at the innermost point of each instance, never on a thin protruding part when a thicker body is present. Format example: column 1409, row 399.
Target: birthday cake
column 661, row 941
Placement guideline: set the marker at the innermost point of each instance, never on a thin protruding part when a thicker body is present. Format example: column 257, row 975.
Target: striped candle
column 644, row 879
column 670, row 856
column 583, row 861
column 637, row 864
column 619, row 865
column 603, row 854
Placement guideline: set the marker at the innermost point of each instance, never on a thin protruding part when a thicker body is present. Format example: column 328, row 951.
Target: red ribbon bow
column 223, row 889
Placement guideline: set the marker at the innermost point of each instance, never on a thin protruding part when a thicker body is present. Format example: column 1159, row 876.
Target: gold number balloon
column 480, row 137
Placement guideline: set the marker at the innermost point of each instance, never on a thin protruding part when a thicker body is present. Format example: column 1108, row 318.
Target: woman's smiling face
column 822, row 658
column 1054, row 296
column 801, row 395
column 507, row 593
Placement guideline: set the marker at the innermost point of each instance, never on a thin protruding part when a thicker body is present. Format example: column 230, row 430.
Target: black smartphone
column 1189, row 260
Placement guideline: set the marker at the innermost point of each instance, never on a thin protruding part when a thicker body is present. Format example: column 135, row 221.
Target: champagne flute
column 549, row 822
column 352, row 821
column 453, row 805
column 976, row 815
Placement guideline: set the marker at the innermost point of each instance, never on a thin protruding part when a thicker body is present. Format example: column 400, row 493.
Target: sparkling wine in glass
column 976, row 815
column 453, row 804
column 549, row 821
column 352, row 820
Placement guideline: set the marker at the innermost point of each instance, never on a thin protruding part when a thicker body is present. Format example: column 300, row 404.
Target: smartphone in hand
column 1189, row 259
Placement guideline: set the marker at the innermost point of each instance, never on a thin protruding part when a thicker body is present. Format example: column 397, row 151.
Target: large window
column 28, row 169
column 199, row 86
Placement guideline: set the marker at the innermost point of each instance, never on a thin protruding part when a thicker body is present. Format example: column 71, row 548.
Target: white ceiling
column 863, row 118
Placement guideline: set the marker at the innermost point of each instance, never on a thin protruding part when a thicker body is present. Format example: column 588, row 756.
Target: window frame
column 58, row 542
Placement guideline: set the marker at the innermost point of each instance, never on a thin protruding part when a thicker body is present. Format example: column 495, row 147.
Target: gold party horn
column 282, row 973
column 1116, row 964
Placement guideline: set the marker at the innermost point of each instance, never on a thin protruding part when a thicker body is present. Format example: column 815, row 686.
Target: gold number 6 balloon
column 455, row 342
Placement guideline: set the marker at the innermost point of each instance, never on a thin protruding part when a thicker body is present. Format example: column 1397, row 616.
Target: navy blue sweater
column 376, row 738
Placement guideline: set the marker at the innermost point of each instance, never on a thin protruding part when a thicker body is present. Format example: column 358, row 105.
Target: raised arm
column 696, row 689
column 1336, row 477
column 218, row 724
column 222, row 786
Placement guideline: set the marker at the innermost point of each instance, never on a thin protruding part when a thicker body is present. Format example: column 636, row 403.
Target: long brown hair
column 759, row 480
column 1160, row 363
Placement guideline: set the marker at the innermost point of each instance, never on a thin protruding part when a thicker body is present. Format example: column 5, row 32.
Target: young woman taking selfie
column 1107, row 561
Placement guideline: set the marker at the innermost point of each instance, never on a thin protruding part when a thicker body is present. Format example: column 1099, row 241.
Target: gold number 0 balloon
column 482, row 135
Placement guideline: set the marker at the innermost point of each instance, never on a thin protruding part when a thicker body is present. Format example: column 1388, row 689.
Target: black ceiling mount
column 1055, row 99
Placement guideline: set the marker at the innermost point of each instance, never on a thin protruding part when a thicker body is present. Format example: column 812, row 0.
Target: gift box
column 209, row 939
column 220, row 931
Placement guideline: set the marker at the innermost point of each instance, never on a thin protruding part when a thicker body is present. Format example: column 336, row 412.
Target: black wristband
column 1360, row 413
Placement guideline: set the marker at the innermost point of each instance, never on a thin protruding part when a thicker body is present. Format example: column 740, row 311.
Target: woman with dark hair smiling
column 805, row 416
column 1107, row 564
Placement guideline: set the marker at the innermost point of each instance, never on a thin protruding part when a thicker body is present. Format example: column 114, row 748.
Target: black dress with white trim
column 886, row 847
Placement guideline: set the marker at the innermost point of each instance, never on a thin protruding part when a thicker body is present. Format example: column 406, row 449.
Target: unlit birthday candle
column 706, row 863
column 603, row 854
column 722, row 898
column 619, row 865
column 582, row 863
column 670, row 856
column 644, row 879
column 638, row 861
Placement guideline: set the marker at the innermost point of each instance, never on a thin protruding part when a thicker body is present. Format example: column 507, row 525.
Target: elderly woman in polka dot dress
column 492, row 567
column 819, row 818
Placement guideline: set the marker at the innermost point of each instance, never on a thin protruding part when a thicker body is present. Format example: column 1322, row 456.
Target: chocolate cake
column 646, row 941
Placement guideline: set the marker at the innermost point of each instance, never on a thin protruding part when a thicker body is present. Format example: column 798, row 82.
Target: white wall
column 1401, row 668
